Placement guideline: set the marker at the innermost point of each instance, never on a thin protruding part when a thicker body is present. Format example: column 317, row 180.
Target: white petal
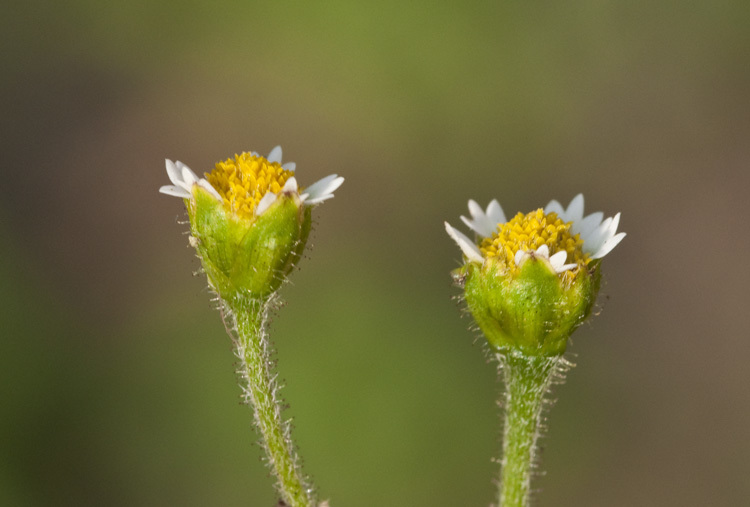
column 555, row 207
column 480, row 226
column 174, row 174
column 597, row 237
column 543, row 251
column 206, row 185
column 467, row 246
column 484, row 224
column 608, row 246
column 290, row 185
column 574, row 213
column 175, row 191
column 587, row 225
column 275, row 155
column 520, row 256
column 558, row 262
column 475, row 209
column 476, row 222
column 322, row 189
column 495, row 212
column 603, row 234
column 477, row 227
column 188, row 176
column 264, row 203
column 289, row 166
column 559, row 258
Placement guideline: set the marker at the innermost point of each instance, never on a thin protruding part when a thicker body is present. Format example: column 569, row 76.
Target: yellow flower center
column 243, row 181
column 529, row 232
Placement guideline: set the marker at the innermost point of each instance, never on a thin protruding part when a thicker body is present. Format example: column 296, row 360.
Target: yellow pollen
column 529, row 232
column 243, row 181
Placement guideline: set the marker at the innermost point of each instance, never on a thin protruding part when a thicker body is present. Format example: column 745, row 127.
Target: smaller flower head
column 249, row 183
column 531, row 280
column 249, row 219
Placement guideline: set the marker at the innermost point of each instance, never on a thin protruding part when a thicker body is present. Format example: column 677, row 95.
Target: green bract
column 248, row 257
column 534, row 311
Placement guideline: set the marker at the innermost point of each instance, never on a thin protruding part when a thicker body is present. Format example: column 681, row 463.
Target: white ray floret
column 316, row 193
column 599, row 236
column 467, row 246
column 183, row 179
column 322, row 189
column 557, row 261
column 484, row 222
column 275, row 156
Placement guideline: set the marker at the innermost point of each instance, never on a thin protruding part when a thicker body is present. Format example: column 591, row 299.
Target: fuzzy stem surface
column 261, row 390
column 527, row 380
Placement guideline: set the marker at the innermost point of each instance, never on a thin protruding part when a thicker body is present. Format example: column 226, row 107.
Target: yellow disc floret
column 529, row 232
column 243, row 181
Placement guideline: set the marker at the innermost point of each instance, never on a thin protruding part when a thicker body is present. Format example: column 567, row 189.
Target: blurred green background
column 118, row 386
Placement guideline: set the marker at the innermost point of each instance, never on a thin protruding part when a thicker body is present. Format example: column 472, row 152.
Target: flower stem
column 527, row 380
column 260, row 389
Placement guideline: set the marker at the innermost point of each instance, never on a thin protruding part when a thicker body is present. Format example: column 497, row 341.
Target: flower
column 249, row 220
column 563, row 237
column 249, row 183
column 530, row 281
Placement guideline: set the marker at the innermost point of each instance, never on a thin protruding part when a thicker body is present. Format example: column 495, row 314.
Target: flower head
column 564, row 238
column 248, row 184
column 532, row 280
column 249, row 219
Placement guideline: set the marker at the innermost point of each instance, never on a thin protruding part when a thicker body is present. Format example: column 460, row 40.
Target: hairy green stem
column 261, row 390
column 527, row 380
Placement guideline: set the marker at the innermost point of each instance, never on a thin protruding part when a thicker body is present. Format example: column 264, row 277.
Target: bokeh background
column 117, row 381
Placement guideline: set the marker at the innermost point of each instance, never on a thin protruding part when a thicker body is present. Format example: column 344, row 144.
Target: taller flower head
column 249, row 219
column 530, row 281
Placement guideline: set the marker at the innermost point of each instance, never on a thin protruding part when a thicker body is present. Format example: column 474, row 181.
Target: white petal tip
column 275, row 155
column 558, row 261
column 336, row 183
column 475, row 209
column 543, row 251
column 555, row 207
column 609, row 245
column 290, row 185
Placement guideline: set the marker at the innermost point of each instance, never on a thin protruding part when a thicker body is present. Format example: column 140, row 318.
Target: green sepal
column 534, row 311
column 248, row 258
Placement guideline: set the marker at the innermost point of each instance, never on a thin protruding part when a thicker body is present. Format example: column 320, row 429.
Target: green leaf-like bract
column 532, row 312
column 248, row 258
